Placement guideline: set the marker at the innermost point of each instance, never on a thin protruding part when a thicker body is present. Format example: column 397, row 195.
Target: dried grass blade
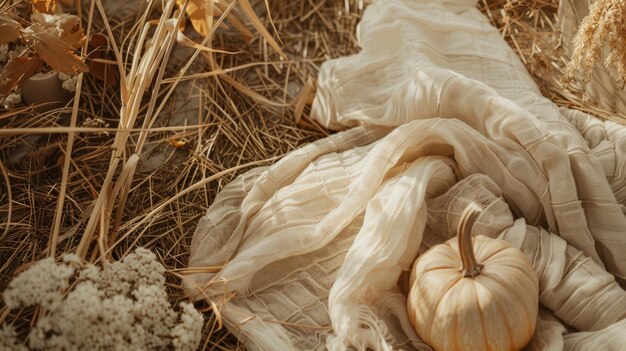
column 303, row 98
column 193, row 187
column 247, row 9
column 269, row 17
column 9, row 215
column 184, row 40
column 233, row 19
column 141, row 76
column 54, row 235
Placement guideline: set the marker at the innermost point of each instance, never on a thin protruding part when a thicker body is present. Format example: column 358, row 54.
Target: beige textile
column 315, row 251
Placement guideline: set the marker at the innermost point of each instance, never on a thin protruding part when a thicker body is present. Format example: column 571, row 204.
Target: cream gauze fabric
column 436, row 111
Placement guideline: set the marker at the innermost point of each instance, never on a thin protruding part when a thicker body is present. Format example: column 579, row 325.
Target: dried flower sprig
column 604, row 26
column 121, row 305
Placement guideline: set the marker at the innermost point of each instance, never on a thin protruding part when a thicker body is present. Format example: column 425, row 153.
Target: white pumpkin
column 473, row 297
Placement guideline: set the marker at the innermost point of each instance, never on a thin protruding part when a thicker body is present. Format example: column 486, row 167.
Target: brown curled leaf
column 176, row 143
column 44, row 6
column 65, row 27
column 58, row 54
column 197, row 12
column 17, row 71
column 9, row 30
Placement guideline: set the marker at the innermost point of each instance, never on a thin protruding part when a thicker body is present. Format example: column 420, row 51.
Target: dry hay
column 212, row 128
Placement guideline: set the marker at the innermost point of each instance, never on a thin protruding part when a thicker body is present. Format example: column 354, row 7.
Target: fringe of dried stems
column 605, row 26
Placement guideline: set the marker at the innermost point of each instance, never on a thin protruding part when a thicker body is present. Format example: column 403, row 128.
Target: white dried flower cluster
column 187, row 334
column 69, row 82
column 42, row 284
column 96, row 122
column 12, row 100
column 122, row 306
column 8, row 340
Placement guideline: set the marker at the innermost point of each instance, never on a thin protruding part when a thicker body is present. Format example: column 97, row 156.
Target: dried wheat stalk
column 604, row 26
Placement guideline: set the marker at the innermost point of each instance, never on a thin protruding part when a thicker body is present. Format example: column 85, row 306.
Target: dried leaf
column 9, row 30
column 98, row 41
column 59, row 58
column 103, row 71
column 44, row 6
column 306, row 95
column 197, row 13
column 176, row 143
column 200, row 13
column 54, row 38
column 16, row 71
column 65, row 27
column 56, row 52
column 99, row 47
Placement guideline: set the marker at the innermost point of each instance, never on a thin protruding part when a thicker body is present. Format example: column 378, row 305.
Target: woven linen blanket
column 435, row 111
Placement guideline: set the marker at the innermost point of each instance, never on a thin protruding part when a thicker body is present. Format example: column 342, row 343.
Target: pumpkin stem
column 470, row 267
